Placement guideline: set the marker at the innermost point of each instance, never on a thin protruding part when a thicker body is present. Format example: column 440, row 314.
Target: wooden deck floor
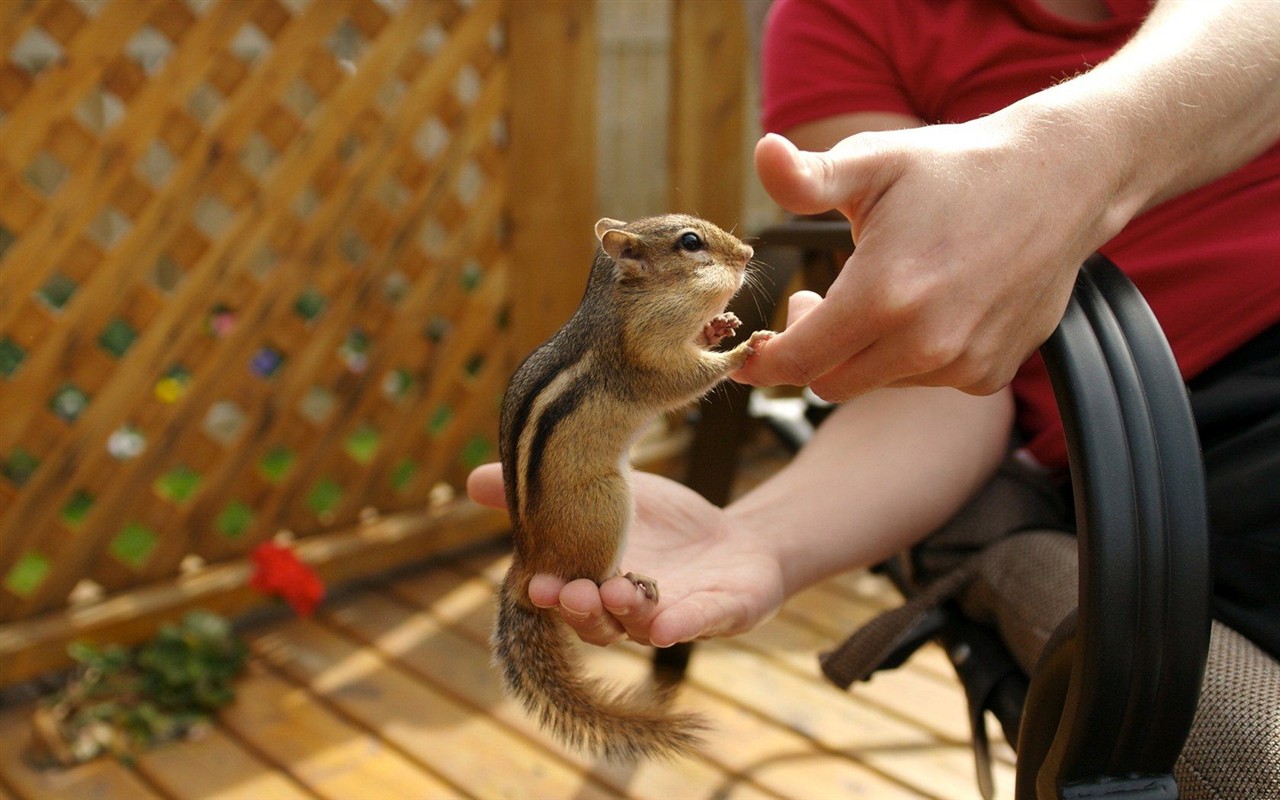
column 388, row 693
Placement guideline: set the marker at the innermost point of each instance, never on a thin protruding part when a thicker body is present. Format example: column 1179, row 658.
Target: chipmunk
column 638, row 345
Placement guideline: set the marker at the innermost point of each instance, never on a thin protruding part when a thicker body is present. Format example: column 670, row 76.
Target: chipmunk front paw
column 738, row 357
column 719, row 328
column 758, row 340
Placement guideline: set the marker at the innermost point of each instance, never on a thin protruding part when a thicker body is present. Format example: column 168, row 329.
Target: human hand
column 715, row 578
column 969, row 238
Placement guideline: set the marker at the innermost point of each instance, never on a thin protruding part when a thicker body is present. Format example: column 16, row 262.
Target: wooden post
column 708, row 52
column 709, row 49
column 552, row 180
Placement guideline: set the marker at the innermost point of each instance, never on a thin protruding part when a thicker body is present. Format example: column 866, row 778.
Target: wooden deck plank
column 906, row 691
column 914, row 693
column 215, row 767
column 466, row 748
column 102, row 779
column 836, row 721
column 925, row 691
column 863, row 586
column 837, row 615
column 331, row 757
column 779, row 759
column 459, row 664
column 755, row 745
column 740, row 741
column 468, row 605
column 389, row 693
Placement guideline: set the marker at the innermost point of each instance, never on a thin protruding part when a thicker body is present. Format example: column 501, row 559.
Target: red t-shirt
column 1208, row 261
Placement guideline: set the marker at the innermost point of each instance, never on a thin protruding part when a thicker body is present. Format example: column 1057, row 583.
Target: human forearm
column 1193, row 95
column 883, row 471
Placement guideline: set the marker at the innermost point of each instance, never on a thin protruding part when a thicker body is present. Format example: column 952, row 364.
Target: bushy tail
column 541, row 669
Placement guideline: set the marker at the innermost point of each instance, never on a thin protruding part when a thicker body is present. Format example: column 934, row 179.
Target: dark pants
column 1237, row 409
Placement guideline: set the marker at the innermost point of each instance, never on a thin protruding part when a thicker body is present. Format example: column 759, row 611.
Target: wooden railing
column 265, row 266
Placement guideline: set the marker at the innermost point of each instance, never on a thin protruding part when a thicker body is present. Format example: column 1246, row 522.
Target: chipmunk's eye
column 691, row 242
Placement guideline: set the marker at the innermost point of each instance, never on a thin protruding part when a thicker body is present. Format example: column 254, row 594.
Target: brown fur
column 637, row 346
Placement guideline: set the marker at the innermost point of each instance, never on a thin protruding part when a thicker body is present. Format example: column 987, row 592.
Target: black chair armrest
column 1111, row 704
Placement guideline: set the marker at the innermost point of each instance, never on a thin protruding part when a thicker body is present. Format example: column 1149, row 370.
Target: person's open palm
column 711, row 581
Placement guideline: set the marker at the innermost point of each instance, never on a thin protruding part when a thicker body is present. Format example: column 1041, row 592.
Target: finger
column 887, row 363
column 974, row 374
column 799, row 304
column 484, row 486
column 544, row 590
column 871, row 368
column 699, row 616
column 630, row 606
column 582, row 610
column 820, row 338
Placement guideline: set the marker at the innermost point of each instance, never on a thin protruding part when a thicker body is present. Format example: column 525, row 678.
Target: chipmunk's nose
column 747, row 252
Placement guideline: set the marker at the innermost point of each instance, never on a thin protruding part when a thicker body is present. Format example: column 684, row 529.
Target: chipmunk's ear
column 620, row 245
column 605, row 224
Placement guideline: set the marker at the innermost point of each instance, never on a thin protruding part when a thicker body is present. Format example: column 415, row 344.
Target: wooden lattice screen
column 255, row 275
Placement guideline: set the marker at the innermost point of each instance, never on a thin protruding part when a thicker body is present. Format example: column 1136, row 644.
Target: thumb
column 805, row 350
column 805, row 182
column 484, row 486
column 801, row 303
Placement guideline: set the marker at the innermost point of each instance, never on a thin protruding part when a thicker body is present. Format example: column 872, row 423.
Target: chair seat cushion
column 1024, row 585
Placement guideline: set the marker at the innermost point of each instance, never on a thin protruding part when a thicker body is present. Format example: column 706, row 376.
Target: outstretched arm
column 969, row 236
column 881, row 473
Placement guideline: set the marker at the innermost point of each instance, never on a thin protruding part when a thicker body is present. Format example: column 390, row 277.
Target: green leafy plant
column 121, row 701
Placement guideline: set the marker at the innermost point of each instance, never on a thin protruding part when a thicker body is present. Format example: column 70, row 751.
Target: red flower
column 279, row 572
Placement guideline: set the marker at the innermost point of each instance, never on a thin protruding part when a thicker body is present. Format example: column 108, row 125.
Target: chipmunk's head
column 676, row 254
